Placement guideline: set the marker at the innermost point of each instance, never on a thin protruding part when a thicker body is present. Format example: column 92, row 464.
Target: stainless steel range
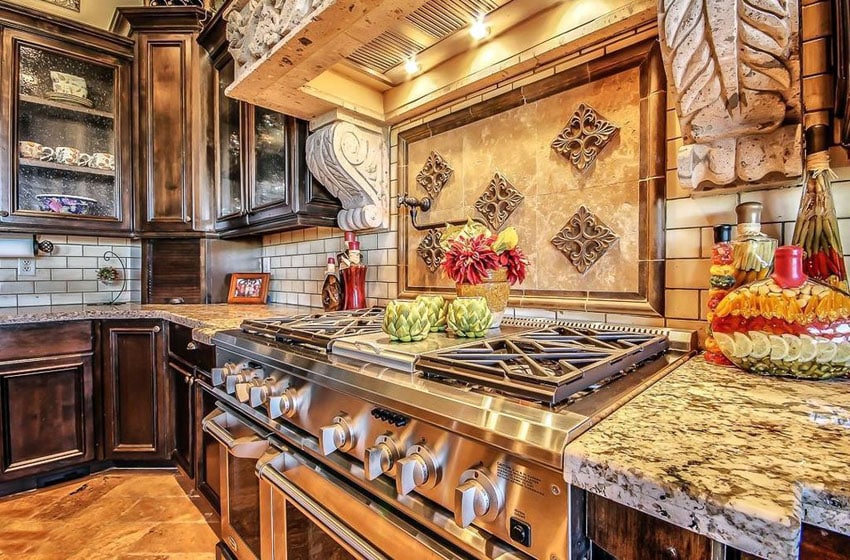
column 445, row 448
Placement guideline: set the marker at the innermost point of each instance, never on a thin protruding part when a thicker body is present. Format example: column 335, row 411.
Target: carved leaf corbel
column 728, row 64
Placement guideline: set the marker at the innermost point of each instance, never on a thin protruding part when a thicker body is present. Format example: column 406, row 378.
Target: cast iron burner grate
column 547, row 365
column 318, row 329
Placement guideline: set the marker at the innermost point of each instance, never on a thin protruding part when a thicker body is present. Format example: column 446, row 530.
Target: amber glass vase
column 495, row 289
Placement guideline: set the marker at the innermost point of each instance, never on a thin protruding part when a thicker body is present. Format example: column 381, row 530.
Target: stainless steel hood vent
column 440, row 18
column 386, row 51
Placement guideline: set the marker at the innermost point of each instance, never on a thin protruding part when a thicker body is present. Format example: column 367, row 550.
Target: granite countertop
column 740, row 458
column 205, row 320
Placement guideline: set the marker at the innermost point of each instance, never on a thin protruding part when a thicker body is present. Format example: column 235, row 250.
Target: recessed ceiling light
column 411, row 66
column 478, row 30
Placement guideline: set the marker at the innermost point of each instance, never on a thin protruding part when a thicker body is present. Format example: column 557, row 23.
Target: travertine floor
column 114, row 515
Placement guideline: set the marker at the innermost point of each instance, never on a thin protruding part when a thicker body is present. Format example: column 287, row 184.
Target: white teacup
column 31, row 150
column 68, row 155
column 102, row 160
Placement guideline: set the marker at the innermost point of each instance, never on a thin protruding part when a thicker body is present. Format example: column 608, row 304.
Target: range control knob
column 477, row 497
column 419, row 468
column 219, row 374
column 243, row 390
column 244, row 376
column 336, row 436
column 259, row 394
column 285, row 404
column 381, row 457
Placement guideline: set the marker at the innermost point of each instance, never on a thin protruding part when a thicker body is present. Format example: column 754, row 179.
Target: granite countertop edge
column 754, row 520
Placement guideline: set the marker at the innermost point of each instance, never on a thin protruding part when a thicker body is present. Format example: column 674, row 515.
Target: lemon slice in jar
column 827, row 350
column 808, row 348
column 794, row 347
column 725, row 343
column 743, row 345
column 761, row 344
column 843, row 353
column 778, row 347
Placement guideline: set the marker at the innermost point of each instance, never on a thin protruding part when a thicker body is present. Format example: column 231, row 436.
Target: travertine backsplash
column 69, row 275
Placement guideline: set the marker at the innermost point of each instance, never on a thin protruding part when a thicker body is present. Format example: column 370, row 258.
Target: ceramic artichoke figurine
column 469, row 317
column 406, row 321
column 436, row 308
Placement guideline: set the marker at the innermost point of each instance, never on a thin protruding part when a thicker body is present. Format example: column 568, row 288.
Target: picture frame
column 248, row 287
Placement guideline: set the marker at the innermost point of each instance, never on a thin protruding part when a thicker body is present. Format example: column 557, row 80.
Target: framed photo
column 248, row 287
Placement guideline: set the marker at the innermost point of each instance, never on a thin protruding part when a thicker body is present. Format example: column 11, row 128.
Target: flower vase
column 495, row 289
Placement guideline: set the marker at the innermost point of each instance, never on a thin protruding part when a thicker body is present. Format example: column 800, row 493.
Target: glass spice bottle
column 331, row 289
column 752, row 251
column 816, row 230
column 721, row 281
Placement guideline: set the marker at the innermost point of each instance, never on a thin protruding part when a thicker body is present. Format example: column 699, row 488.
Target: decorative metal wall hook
column 45, row 246
column 107, row 256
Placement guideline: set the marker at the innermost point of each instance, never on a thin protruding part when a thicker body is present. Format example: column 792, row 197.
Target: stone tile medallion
column 434, row 174
column 498, row 201
column 584, row 137
column 584, row 239
column 429, row 250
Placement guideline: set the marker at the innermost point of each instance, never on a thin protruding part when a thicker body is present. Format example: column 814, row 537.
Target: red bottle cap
column 331, row 260
column 354, row 246
column 350, row 236
column 788, row 267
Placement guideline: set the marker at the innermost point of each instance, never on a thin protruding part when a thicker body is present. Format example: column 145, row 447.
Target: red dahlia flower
column 516, row 263
column 468, row 260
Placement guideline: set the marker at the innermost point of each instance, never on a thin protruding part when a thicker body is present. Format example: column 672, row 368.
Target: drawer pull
column 191, row 346
column 156, row 329
column 671, row 553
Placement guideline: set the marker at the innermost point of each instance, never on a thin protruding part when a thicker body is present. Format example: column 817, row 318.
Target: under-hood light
column 478, row 30
column 411, row 66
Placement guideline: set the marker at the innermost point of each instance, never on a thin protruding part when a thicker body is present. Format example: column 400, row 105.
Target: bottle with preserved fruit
column 816, row 230
column 752, row 251
column 787, row 325
column 721, row 281
column 331, row 289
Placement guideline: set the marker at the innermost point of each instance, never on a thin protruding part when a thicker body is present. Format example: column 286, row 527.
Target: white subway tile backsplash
column 68, row 273
column 16, row 287
column 32, row 300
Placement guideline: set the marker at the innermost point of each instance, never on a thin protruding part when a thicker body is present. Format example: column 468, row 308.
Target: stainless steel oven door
column 242, row 443
column 310, row 513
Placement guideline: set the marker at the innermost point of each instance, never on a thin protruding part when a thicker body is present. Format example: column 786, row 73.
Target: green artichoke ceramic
column 406, row 321
column 436, row 307
column 469, row 317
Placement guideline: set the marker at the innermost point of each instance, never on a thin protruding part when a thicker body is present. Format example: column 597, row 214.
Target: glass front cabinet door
column 68, row 162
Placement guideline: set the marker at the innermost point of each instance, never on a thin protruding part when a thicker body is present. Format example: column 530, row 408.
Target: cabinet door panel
column 136, row 422
column 207, row 450
column 183, row 401
column 47, row 420
column 165, row 96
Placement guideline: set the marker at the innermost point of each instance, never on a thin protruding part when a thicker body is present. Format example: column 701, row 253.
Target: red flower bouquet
column 472, row 251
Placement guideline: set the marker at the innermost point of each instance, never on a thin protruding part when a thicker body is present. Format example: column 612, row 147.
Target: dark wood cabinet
column 136, row 395
column 262, row 183
column 627, row 534
column 820, row 544
column 46, row 399
column 65, row 109
column 167, row 106
column 183, row 413
column 207, row 449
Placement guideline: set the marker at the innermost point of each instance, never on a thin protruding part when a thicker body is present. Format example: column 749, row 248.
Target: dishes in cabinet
column 67, row 204
column 65, row 98
column 69, row 84
column 34, row 150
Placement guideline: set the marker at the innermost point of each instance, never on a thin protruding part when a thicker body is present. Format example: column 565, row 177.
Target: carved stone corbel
column 734, row 70
column 351, row 159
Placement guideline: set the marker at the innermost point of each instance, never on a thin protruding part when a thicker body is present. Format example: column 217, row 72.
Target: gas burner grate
column 318, row 329
column 548, row 365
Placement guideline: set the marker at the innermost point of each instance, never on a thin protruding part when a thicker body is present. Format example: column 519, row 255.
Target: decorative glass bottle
column 816, row 230
column 331, row 289
column 721, row 281
column 787, row 325
column 752, row 253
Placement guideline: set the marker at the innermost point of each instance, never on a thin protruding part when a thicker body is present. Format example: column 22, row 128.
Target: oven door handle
column 217, row 424
column 338, row 530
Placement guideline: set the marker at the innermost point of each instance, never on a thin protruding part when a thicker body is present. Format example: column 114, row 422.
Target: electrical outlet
column 26, row 267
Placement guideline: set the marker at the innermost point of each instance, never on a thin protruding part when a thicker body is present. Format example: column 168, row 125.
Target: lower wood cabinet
column 207, row 449
column 46, row 398
column 627, row 534
column 183, row 401
column 136, row 397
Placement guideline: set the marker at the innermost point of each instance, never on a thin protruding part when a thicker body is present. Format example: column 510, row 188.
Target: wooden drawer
column 181, row 345
column 40, row 340
column 628, row 534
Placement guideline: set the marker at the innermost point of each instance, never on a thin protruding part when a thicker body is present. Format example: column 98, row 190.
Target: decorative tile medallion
column 429, row 249
column 499, row 201
column 584, row 239
column 434, row 174
column 69, row 4
column 585, row 135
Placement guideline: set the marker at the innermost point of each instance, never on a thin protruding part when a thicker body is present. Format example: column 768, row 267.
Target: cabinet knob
column 671, row 553
column 191, row 346
column 156, row 329
column 4, row 214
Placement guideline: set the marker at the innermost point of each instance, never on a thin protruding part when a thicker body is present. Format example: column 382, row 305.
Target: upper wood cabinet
column 168, row 100
column 65, row 158
column 261, row 179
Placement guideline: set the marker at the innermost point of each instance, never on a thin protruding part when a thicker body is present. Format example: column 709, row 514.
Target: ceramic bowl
column 67, row 204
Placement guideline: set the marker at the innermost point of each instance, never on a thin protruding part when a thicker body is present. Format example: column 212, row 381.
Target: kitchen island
column 743, row 459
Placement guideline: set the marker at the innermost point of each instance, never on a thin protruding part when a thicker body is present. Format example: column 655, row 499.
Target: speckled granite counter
column 205, row 320
column 737, row 457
